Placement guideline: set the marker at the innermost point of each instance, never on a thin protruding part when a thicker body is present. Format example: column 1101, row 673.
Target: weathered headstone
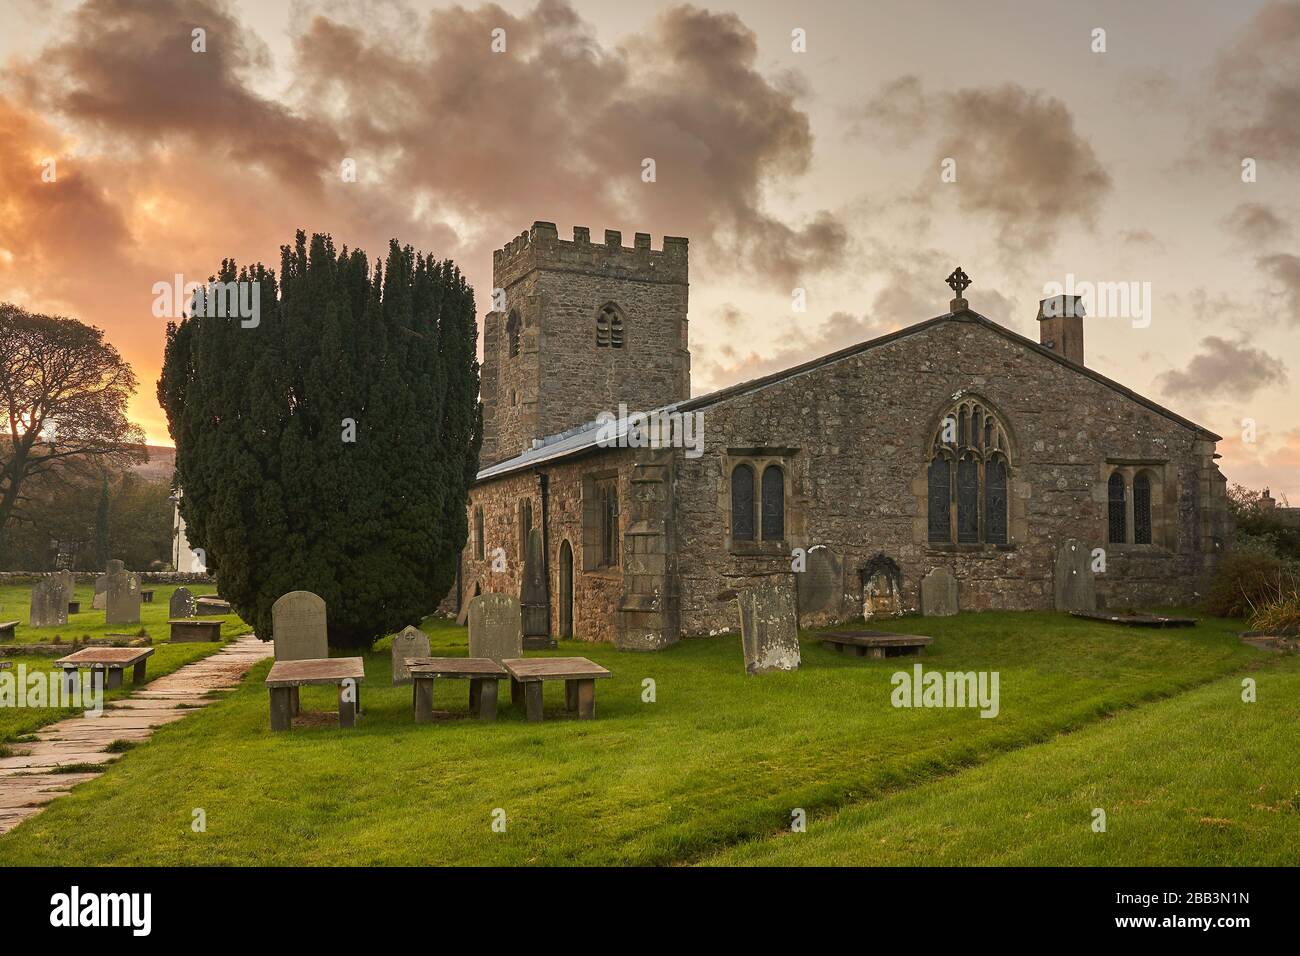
column 820, row 587
column 122, row 599
column 412, row 642
column 532, row 595
column 939, row 593
column 69, row 585
column 882, row 588
column 298, row 627
column 182, row 604
column 1073, row 586
column 49, row 609
column 495, row 627
column 99, row 602
column 769, row 630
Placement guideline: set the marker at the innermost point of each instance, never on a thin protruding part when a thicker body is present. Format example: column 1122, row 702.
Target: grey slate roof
column 583, row 438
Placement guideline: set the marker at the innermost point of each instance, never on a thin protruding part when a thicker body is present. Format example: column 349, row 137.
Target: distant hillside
column 159, row 467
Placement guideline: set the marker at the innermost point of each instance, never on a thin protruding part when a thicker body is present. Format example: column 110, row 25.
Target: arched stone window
column 609, row 327
column 742, row 503
column 1142, row 508
column 968, row 477
column 1116, row 516
column 773, row 503
column 512, row 332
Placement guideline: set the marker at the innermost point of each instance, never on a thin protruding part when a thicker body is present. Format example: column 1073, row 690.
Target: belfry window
column 609, row 327
column 968, row 477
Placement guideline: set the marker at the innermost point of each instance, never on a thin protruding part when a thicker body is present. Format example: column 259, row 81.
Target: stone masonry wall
column 863, row 427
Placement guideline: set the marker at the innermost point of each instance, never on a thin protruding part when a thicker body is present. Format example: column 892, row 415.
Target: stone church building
column 952, row 443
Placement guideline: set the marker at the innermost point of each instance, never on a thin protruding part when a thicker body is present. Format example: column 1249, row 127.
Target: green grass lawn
column 15, row 604
column 1201, row 779
column 717, row 759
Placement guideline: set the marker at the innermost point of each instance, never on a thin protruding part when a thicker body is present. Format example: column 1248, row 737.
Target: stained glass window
column 773, row 503
column 995, row 502
column 742, row 503
column 1116, row 518
column 940, row 500
column 1142, row 509
column 968, row 501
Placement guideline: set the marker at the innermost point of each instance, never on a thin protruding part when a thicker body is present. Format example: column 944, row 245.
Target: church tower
column 581, row 327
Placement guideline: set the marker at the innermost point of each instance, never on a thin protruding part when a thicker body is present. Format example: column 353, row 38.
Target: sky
column 854, row 150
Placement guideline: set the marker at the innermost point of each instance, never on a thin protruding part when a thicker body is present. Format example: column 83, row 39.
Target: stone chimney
column 1060, row 326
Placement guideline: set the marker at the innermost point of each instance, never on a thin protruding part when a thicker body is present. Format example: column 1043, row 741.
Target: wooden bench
column 7, row 630
column 875, row 643
column 146, row 595
column 111, row 660
column 287, row 677
column 192, row 631
column 481, row 672
column 579, row 676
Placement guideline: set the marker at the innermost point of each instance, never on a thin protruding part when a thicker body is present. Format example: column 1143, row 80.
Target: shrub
column 1280, row 614
column 1242, row 581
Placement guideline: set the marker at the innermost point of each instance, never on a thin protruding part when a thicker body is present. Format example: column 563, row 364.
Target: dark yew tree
column 330, row 446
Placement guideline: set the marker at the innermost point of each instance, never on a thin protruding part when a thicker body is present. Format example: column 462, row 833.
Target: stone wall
column 857, row 435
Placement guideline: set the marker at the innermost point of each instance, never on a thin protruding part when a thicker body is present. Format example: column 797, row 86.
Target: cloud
column 1256, row 223
column 1019, row 159
column 1258, row 81
column 837, row 331
column 1284, row 270
column 1225, row 368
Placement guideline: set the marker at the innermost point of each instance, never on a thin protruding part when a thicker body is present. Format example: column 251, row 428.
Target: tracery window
column 968, row 477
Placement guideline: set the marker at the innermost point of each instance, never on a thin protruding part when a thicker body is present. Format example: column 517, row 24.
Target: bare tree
column 63, row 395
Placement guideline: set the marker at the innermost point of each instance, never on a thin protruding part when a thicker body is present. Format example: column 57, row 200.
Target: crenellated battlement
column 542, row 248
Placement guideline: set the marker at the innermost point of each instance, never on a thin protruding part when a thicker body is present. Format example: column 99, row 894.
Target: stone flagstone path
column 29, row 780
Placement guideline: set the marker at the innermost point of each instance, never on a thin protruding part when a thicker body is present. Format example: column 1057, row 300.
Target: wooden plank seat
column 481, row 672
column 287, row 677
column 7, row 630
column 109, row 660
column 579, row 675
column 189, row 630
column 875, row 644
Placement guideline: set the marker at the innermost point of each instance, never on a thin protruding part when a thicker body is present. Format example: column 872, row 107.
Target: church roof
column 584, row 438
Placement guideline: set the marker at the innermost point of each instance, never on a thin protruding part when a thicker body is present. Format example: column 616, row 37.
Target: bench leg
column 347, row 704
column 570, row 695
column 293, row 701
column 487, row 700
column 858, row 651
column 516, row 691
column 423, row 701
column 70, row 680
column 113, row 678
column 875, row 652
column 281, row 709
column 137, row 673
column 475, row 694
column 533, row 700
column 586, row 699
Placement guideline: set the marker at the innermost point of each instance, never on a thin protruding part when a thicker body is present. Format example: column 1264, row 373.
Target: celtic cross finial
column 958, row 282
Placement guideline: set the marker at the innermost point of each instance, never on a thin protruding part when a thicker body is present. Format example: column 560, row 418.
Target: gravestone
column 298, row 627
column 820, row 587
column 769, row 629
column 122, row 599
column 1073, row 586
column 182, row 605
column 69, row 585
column 882, row 588
column 495, row 627
column 412, row 642
column 939, row 593
column 532, row 595
column 99, row 602
column 49, row 609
